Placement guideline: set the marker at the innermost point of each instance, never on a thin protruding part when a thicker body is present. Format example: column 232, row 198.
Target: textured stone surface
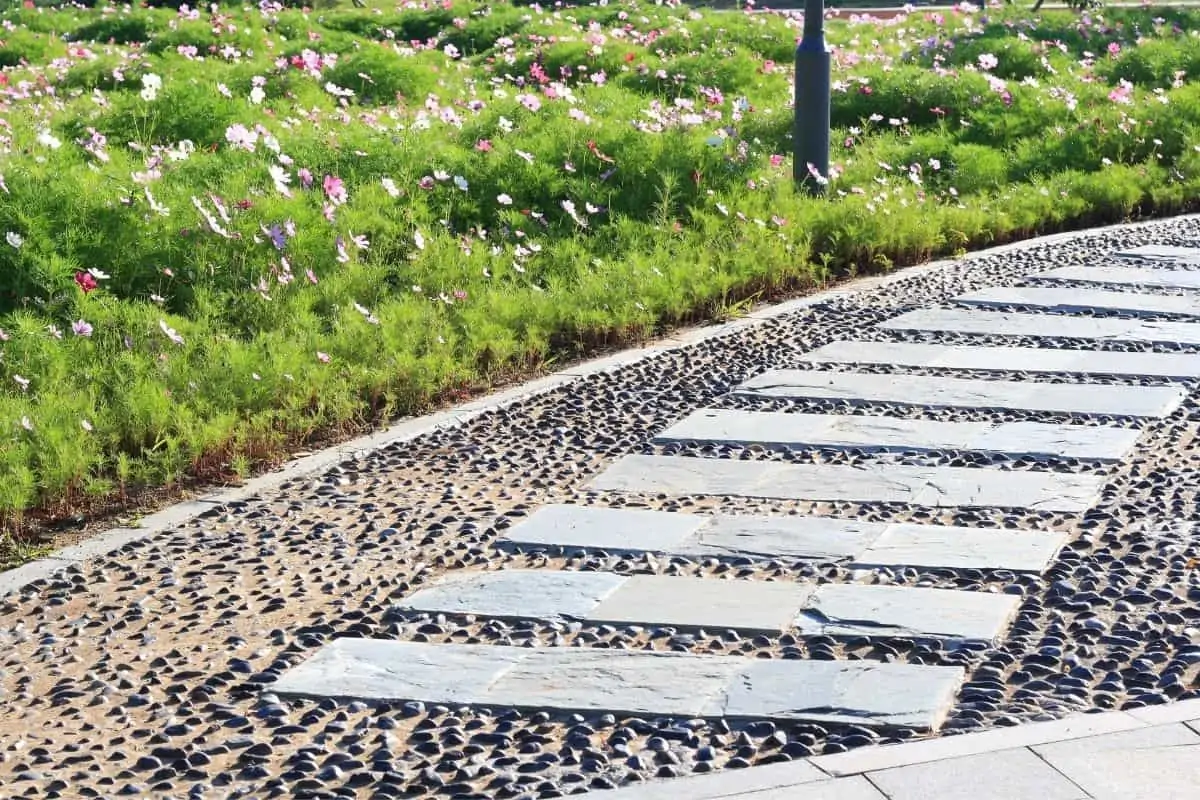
column 687, row 602
column 1009, row 359
column 957, row 547
column 652, row 683
column 1162, row 252
column 939, row 391
column 879, row 483
column 832, row 691
column 1015, row 323
column 612, row 529
column 868, row 433
column 815, row 538
column 1086, row 300
column 1006, row 775
column 853, row 610
column 540, row 594
column 1127, row 276
column 1159, row 762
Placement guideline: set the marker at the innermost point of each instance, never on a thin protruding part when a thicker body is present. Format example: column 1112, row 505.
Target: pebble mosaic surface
column 152, row 672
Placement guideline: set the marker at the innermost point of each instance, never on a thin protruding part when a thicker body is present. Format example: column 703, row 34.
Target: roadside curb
column 114, row 539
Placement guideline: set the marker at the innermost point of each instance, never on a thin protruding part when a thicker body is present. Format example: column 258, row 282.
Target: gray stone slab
column 615, row 530
column 840, row 692
column 872, row 433
column 950, row 547
column 380, row 669
column 627, row 682
column 581, row 679
column 1082, row 300
column 712, row 604
column 940, row 391
column 509, row 593
column 805, row 538
column 905, row 611
column 1159, row 762
column 1010, row 359
column 1124, row 276
column 1013, row 323
column 879, row 483
column 1163, row 252
column 1007, row 775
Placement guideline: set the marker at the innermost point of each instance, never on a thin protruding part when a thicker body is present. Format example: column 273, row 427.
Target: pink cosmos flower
column 335, row 190
column 322, row 357
column 306, row 177
column 81, row 328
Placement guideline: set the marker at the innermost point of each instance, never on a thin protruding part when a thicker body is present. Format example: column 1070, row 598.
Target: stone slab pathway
column 867, row 434
column 628, row 682
column 863, row 544
column 601, row 583
column 1170, row 254
column 877, row 483
column 1050, row 326
column 1184, row 366
column 940, row 391
column 1082, row 300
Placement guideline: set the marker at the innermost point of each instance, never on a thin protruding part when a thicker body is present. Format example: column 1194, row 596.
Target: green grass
column 482, row 201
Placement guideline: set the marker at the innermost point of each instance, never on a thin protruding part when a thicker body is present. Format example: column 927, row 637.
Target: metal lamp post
column 810, row 136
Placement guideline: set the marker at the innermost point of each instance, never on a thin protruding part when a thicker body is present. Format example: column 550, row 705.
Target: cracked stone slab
column 751, row 606
column 840, row 692
column 1082, row 300
column 622, row 530
column 1050, row 326
column 940, row 391
column 627, row 682
column 1124, row 276
column 1163, row 252
column 1183, row 366
column 872, row 433
column 879, row 483
column 906, row 612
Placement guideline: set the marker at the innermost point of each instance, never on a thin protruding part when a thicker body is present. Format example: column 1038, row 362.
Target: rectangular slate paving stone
column 809, row 538
column 879, row 483
column 904, row 611
column 787, row 537
column 840, row 692
column 940, row 391
column 689, row 602
column 627, row 682
column 1011, row 323
column 542, row 594
column 871, row 433
column 1163, row 252
column 952, row 547
column 615, row 530
column 1010, row 359
column 1124, row 276
column 1085, row 300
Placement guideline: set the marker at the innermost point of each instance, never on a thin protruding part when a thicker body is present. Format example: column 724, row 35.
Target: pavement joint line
column 101, row 544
